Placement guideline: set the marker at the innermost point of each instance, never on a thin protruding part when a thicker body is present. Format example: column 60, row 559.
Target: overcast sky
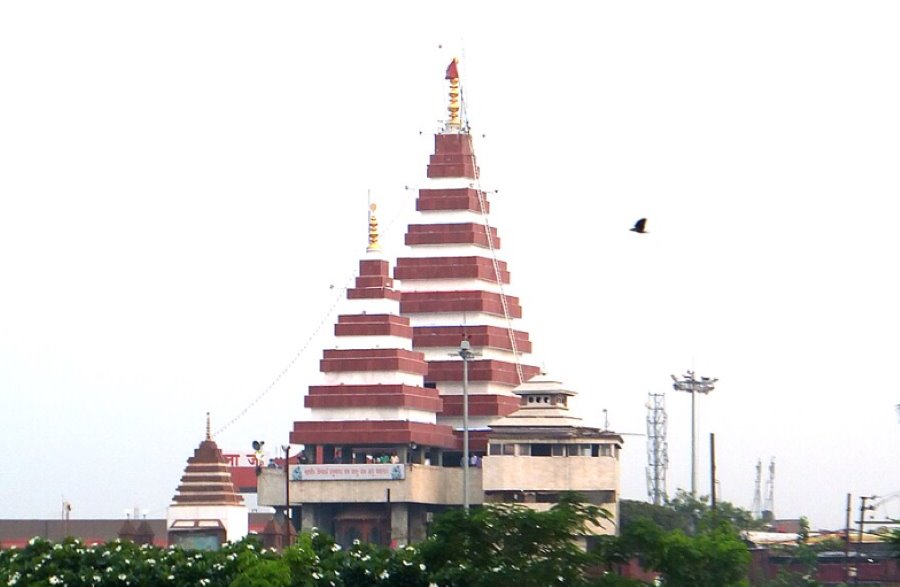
column 183, row 196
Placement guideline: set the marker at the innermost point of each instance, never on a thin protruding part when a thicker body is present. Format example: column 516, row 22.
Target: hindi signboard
column 367, row 472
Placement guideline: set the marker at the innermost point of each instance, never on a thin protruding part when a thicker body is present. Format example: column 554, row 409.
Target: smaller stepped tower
column 207, row 510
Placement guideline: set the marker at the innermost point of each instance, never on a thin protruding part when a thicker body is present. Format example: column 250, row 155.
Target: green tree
column 715, row 555
column 685, row 512
column 507, row 544
column 893, row 538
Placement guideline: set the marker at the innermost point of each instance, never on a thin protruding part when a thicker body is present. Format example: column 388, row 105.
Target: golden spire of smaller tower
column 373, row 247
column 453, row 76
column 208, row 434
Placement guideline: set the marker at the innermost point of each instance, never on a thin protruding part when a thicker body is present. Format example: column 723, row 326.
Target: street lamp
column 694, row 386
column 466, row 353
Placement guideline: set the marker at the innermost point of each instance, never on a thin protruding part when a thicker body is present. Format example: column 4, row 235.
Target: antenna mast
column 756, row 510
column 768, row 513
column 657, row 449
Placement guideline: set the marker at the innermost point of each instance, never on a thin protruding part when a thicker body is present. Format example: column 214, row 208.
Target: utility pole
column 466, row 353
column 694, row 386
column 847, row 540
column 287, row 494
column 712, row 472
column 863, row 508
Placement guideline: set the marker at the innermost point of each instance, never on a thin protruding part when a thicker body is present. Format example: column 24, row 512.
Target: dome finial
column 453, row 75
column 373, row 247
column 208, row 434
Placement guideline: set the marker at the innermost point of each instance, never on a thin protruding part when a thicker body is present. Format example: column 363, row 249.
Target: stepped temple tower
column 397, row 404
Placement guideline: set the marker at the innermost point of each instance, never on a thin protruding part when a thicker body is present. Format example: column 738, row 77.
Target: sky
column 183, row 192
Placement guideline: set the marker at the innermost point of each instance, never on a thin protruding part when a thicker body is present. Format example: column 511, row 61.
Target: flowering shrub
column 493, row 546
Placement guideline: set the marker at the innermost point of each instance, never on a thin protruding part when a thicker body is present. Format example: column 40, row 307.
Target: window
column 540, row 450
column 495, row 449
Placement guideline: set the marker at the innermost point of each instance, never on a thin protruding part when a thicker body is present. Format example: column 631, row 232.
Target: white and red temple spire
column 372, row 391
column 454, row 287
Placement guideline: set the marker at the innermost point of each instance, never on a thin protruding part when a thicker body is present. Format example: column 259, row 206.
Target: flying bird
column 639, row 226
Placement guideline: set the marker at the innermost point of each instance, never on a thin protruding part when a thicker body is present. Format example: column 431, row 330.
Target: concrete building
column 398, row 405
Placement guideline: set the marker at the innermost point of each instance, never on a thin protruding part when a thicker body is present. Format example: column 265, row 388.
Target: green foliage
column 511, row 545
column 73, row 563
column 686, row 513
column 893, row 538
column 493, row 546
column 804, row 529
column 714, row 556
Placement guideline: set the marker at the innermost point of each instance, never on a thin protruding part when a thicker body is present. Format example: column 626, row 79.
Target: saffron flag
column 451, row 71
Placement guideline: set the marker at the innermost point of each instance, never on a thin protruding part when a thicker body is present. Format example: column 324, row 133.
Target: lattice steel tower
column 768, row 513
column 756, row 510
column 657, row 449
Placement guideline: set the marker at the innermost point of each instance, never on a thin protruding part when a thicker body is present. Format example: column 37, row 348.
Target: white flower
column 122, row 577
column 407, row 564
column 316, row 576
column 97, row 578
column 204, row 581
column 14, row 579
column 151, row 561
column 33, row 540
column 54, row 580
column 171, row 577
column 198, row 556
column 560, row 579
column 335, row 547
column 384, row 574
column 57, row 546
column 421, row 566
column 250, row 547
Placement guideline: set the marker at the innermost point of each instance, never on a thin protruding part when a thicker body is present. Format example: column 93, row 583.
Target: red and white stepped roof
column 451, row 290
column 206, row 480
column 372, row 388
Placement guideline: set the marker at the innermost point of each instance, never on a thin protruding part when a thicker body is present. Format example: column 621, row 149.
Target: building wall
column 234, row 518
column 550, row 473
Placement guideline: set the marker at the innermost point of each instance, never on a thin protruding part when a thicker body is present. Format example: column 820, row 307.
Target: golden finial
column 208, row 434
column 373, row 231
column 453, row 76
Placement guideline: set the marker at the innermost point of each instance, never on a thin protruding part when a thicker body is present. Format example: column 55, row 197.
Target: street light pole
column 287, row 495
column 466, row 354
column 694, row 386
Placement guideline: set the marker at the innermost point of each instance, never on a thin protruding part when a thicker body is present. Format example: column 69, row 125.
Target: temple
column 206, row 510
column 431, row 366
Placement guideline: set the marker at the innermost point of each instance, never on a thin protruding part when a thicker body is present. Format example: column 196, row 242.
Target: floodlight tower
column 692, row 385
column 657, row 449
